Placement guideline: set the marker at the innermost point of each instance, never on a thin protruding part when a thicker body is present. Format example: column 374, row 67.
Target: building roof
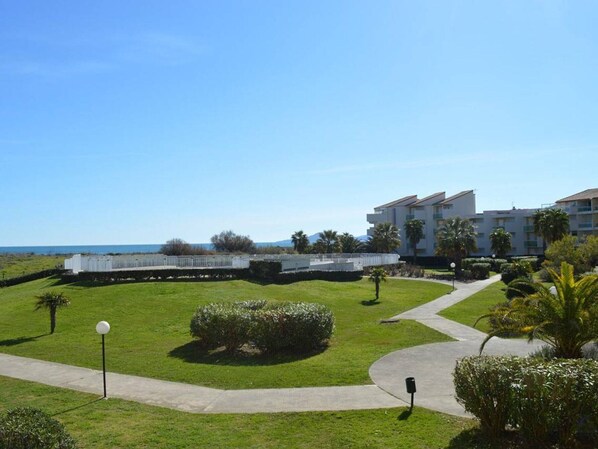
column 428, row 198
column 400, row 202
column 585, row 195
column 450, row 199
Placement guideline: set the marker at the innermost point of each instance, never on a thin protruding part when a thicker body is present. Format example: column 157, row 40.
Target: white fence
column 290, row 262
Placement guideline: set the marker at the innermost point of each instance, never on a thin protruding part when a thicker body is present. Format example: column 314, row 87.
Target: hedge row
column 546, row 401
column 30, row 428
column 495, row 263
column 270, row 327
column 211, row 274
column 30, row 277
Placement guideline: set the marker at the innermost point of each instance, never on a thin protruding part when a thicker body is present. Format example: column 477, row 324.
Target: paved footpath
column 431, row 365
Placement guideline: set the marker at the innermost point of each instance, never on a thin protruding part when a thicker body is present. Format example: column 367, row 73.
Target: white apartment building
column 433, row 209
column 583, row 212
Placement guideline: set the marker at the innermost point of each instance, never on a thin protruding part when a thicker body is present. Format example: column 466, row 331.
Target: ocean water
column 98, row 249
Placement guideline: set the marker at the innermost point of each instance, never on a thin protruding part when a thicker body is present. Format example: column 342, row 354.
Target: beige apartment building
column 433, row 209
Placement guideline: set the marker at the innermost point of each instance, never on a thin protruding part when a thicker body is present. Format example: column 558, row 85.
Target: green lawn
column 150, row 330
column 470, row 309
column 114, row 423
column 14, row 265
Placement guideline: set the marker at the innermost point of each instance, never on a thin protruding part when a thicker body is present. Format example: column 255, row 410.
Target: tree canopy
column 414, row 231
column 551, row 224
column 500, row 241
column 229, row 242
column 300, row 242
column 456, row 238
column 386, row 238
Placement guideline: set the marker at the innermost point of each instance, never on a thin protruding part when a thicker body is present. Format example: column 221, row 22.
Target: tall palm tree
column 51, row 301
column 377, row 275
column 349, row 244
column 385, row 239
column 414, row 230
column 327, row 241
column 566, row 320
column 500, row 241
column 300, row 242
column 551, row 224
column 456, row 238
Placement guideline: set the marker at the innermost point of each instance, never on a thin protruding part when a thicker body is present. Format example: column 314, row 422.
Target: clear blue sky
column 134, row 122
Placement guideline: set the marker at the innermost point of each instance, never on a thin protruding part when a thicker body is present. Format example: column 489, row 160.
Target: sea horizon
column 50, row 250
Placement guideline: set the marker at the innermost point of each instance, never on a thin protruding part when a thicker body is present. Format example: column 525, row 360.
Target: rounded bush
column 30, row 428
column 295, row 326
column 218, row 325
column 518, row 288
column 269, row 327
column 480, row 270
column 518, row 269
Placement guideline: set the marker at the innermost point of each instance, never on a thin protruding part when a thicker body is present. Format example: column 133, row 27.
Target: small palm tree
column 349, row 244
column 414, row 230
column 51, row 301
column 566, row 320
column 378, row 275
column 328, row 241
column 500, row 241
column 385, row 239
column 456, row 238
column 300, row 242
column 551, row 224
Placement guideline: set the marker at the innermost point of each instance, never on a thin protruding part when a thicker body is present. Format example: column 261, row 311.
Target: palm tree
column 327, row 241
column 566, row 319
column 385, row 239
column 377, row 275
column 551, row 224
column 414, row 230
column 500, row 241
column 300, row 242
column 456, row 238
column 349, row 244
column 51, row 301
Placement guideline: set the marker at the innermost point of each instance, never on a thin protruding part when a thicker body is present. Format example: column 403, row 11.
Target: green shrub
column 292, row 326
column 218, row 325
column 311, row 275
column 545, row 400
column 514, row 270
column 480, row 270
column 483, row 388
column 518, row 288
column 270, row 327
column 264, row 269
column 533, row 261
column 30, row 428
column 496, row 264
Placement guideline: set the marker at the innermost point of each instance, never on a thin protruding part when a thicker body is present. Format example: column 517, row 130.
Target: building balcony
column 584, row 209
column 375, row 218
column 528, row 228
column 409, row 217
column 437, row 216
column 584, row 225
column 530, row 244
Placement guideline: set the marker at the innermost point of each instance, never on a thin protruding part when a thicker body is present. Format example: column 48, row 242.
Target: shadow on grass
column 87, row 404
column 405, row 414
column 192, row 353
column 370, row 302
column 476, row 439
column 20, row 340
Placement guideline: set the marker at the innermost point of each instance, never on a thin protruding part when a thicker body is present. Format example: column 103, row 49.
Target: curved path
column 431, row 365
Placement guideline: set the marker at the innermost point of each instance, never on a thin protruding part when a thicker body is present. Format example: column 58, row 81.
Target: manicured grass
column 114, row 423
column 14, row 265
column 470, row 309
column 150, row 330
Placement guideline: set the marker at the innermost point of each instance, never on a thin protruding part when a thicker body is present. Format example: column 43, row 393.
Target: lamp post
column 453, row 268
column 103, row 328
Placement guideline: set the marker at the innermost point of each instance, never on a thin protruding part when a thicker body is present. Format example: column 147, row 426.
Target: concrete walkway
column 196, row 399
column 431, row 365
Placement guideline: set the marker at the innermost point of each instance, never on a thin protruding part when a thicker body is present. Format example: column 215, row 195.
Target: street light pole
column 103, row 328
column 453, row 268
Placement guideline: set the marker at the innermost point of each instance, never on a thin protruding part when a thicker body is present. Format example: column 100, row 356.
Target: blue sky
column 134, row 122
